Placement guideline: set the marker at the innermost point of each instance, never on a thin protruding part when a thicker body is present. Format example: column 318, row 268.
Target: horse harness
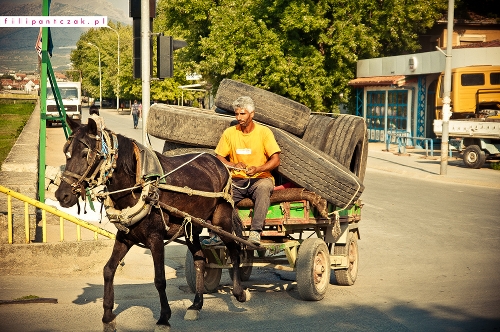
column 106, row 151
column 149, row 177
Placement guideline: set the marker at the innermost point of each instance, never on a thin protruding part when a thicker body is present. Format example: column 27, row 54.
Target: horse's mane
column 126, row 159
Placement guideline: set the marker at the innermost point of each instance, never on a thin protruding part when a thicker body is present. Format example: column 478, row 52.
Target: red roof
column 397, row 80
column 492, row 43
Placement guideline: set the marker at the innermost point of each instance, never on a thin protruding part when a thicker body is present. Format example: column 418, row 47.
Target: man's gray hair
column 244, row 102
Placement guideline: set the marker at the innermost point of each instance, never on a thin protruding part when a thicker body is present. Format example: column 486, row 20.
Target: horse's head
column 83, row 157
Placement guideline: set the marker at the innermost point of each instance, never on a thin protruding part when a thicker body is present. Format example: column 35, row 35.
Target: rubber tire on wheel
column 313, row 269
column 347, row 277
column 212, row 276
column 246, row 256
column 270, row 108
column 195, row 127
column 474, row 157
column 346, row 140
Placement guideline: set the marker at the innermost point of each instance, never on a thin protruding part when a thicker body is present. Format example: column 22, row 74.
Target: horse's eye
column 85, row 152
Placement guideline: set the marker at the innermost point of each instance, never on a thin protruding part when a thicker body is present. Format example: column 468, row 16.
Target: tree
column 85, row 59
column 304, row 50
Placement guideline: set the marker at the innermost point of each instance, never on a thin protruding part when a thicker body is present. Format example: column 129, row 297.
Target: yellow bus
column 475, row 92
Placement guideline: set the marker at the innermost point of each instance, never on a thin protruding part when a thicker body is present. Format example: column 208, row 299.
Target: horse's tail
column 237, row 223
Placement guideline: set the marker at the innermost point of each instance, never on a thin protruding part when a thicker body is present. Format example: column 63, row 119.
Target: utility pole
column 145, row 68
column 446, row 113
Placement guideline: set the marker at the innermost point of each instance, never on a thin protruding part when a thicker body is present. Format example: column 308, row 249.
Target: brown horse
column 90, row 147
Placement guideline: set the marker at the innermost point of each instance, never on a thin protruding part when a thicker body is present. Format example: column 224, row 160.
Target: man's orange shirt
column 252, row 149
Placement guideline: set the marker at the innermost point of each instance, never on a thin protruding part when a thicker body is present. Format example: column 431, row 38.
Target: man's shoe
column 254, row 237
column 213, row 241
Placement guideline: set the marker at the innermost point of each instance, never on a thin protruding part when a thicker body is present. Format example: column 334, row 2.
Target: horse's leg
column 223, row 217
column 239, row 292
column 158, row 253
column 120, row 249
column 193, row 311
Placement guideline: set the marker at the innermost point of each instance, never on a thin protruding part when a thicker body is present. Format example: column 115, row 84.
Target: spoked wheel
column 211, row 277
column 245, row 271
column 313, row 269
column 347, row 277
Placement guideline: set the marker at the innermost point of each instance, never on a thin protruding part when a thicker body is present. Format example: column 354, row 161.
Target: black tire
column 346, row 141
column 187, row 125
column 212, row 276
column 270, row 108
column 175, row 149
column 313, row 269
column 316, row 171
column 300, row 162
column 474, row 157
column 347, row 277
column 245, row 271
column 316, row 129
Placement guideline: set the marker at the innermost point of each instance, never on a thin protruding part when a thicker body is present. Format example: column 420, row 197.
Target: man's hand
column 251, row 170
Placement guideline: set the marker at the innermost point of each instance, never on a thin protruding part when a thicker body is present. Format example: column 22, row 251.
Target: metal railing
column 44, row 209
column 402, row 139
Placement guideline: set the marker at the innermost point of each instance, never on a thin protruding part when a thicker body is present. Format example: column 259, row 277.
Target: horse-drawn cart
column 296, row 237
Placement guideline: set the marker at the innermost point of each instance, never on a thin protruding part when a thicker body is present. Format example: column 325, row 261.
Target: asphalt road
column 429, row 261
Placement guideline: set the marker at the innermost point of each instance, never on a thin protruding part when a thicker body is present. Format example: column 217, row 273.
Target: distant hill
column 17, row 45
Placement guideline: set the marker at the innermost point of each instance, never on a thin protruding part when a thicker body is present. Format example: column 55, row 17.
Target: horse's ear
column 92, row 127
column 73, row 125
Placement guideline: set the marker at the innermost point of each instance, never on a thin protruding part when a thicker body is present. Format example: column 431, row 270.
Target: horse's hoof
column 248, row 295
column 162, row 328
column 109, row 327
column 192, row 315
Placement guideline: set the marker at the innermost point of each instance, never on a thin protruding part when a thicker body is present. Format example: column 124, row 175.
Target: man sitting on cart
column 251, row 152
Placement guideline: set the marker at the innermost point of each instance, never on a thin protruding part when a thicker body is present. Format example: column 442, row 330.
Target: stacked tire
column 322, row 154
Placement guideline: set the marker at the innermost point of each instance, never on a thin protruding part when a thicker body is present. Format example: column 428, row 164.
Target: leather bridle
column 101, row 159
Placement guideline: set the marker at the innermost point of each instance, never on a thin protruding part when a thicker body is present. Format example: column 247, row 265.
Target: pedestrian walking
column 136, row 112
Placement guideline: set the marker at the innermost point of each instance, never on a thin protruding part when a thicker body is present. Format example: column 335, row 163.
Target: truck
column 474, row 125
column 71, row 95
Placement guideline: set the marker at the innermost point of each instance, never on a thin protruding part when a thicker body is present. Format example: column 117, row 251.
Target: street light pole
column 100, row 84
column 118, row 77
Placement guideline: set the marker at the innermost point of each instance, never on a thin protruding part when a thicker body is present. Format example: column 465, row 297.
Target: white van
column 71, row 95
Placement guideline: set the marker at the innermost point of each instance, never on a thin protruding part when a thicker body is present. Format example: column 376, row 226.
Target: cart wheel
column 245, row 271
column 474, row 157
column 313, row 269
column 347, row 277
column 211, row 277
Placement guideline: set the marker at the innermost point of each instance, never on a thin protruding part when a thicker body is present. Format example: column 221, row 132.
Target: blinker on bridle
column 98, row 153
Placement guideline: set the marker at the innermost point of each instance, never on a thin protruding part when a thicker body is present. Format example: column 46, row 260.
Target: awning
column 398, row 80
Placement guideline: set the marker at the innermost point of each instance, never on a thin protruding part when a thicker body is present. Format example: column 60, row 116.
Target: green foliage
column 86, row 59
column 303, row 50
column 485, row 8
column 7, row 77
column 13, row 118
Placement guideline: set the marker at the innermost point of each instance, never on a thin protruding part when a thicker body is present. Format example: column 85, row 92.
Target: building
column 396, row 95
